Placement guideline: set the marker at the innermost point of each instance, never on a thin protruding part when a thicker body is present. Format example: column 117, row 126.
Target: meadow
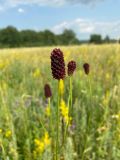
column 28, row 119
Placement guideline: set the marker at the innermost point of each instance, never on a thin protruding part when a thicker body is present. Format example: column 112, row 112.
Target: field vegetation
column 29, row 125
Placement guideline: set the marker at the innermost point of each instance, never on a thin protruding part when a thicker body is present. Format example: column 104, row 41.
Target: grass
column 25, row 133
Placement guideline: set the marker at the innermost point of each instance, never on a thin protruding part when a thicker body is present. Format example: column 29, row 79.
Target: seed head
column 71, row 67
column 57, row 64
column 47, row 91
column 86, row 67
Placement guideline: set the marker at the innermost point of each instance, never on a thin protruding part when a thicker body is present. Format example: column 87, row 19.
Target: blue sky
column 83, row 16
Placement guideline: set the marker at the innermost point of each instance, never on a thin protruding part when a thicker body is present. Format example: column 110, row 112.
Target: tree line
column 12, row 37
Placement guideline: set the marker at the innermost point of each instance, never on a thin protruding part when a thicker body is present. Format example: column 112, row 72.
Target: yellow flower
column 36, row 73
column 39, row 146
column 47, row 111
column 8, row 134
column 61, row 87
column 65, row 111
column 46, row 139
column 37, row 142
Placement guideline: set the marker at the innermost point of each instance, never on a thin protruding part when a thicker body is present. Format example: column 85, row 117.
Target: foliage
column 95, row 38
column 11, row 37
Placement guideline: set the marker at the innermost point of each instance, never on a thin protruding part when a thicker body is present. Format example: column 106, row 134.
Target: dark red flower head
column 57, row 64
column 71, row 67
column 47, row 91
column 86, row 67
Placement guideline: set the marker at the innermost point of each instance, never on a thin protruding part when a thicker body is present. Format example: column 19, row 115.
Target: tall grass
column 94, row 132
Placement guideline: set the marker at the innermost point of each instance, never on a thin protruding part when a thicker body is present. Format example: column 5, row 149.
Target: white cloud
column 20, row 10
column 85, row 27
column 60, row 27
column 5, row 4
column 79, row 25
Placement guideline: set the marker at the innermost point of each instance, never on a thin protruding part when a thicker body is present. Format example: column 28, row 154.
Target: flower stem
column 70, row 108
column 57, row 126
column 89, row 115
column 50, row 118
column 71, row 105
column 51, row 127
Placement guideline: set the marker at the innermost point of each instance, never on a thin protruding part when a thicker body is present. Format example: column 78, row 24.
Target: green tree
column 107, row 39
column 47, row 38
column 29, row 38
column 68, row 37
column 10, row 37
column 95, row 38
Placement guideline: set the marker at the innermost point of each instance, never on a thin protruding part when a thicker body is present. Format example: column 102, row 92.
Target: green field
column 28, row 123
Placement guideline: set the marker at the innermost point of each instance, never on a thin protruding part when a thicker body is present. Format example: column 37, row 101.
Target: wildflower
column 47, row 111
column 8, row 134
column 47, row 90
column 46, row 139
column 71, row 67
column 61, row 87
column 57, row 64
column 65, row 112
column 36, row 73
column 39, row 146
column 86, row 67
column 37, row 142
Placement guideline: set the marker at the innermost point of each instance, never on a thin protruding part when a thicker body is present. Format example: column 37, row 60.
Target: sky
column 85, row 17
